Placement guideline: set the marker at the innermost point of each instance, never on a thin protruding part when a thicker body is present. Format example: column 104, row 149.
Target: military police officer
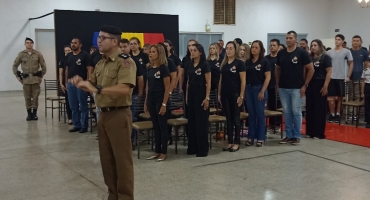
column 112, row 80
column 31, row 76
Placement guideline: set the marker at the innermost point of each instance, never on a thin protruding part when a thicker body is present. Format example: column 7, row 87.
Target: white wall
column 351, row 19
column 255, row 18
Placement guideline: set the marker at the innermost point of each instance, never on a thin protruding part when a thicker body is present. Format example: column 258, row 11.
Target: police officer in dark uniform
column 31, row 76
column 112, row 80
column 197, row 98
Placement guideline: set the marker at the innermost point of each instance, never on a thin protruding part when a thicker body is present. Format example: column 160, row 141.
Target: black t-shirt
column 62, row 65
column 272, row 61
column 156, row 87
column 95, row 58
column 255, row 72
column 320, row 66
column 171, row 65
column 139, row 72
column 196, row 74
column 184, row 65
column 215, row 72
column 230, row 76
column 176, row 59
column 292, row 67
column 143, row 60
column 77, row 64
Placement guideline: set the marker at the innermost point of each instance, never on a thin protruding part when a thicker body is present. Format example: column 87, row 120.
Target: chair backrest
column 213, row 100
column 352, row 90
column 176, row 101
column 52, row 85
column 140, row 104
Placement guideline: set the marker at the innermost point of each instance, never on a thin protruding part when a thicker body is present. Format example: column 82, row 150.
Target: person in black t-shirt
column 272, row 101
column 293, row 72
column 140, row 56
column 197, row 99
column 171, row 54
column 139, row 87
column 78, row 64
column 157, row 93
column 214, row 62
column 244, row 52
column 316, row 93
column 62, row 65
column 231, row 93
column 182, row 78
column 258, row 75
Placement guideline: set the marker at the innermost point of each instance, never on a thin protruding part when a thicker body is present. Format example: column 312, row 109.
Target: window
column 224, row 12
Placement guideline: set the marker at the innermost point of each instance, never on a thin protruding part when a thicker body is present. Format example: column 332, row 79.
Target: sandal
column 249, row 143
column 259, row 144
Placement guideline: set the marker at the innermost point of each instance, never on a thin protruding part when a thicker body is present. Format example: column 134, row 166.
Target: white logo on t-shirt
column 157, row 75
column 198, row 71
column 233, row 69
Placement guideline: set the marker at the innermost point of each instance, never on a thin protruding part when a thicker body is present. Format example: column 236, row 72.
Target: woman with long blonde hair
column 214, row 62
column 244, row 51
column 158, row 88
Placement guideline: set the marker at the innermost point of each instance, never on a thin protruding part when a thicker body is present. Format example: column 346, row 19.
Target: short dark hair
column 329, row 48
column 292, row 32
column 238, row 41
column 262, row 52
column 220, row 40
column 284, row 47
column 79, row 40
column 275, row 40
column 69, row 46
column 357, row 36
column 93, row 47
column 303, row 39
column 340, row 36
column 124, row 40
column 344, row 42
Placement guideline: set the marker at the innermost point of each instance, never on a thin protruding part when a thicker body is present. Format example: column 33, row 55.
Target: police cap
column 111, row 30
column 29, row 39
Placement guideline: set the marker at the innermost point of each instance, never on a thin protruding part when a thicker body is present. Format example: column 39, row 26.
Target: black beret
column 29, row 39
column 111, row 30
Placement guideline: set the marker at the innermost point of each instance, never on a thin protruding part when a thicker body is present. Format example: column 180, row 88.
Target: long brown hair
column 322, row 49
column 162, row 59
column 217, row 51
column 226, row 59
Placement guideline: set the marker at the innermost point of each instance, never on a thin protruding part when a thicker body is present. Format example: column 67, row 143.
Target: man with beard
column 78, row 64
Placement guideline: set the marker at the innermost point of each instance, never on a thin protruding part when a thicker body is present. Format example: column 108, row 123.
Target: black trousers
column 197, row 121
column 316, row 106
column 159, row 125
column 232, row 113
column 367, row 102
column 69, row 111
column 273, row 104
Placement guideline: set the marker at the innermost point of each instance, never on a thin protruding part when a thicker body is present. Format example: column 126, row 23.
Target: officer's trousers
column 197, row 121
column 114, row 130
column 31, row 94
column 316, row 109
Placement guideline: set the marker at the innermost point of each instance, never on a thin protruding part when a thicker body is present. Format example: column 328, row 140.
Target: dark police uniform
column 215, row 72
column 115, row 122
column 197, row 116
column 30, row 62
column 315, row 102
column 154, row 100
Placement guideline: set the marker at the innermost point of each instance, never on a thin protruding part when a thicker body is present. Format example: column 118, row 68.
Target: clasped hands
column 84, row 85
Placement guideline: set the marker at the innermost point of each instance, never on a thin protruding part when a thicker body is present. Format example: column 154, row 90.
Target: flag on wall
column 151, row 38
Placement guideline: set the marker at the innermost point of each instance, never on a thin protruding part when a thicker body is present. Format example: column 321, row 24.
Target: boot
column 29, row 116
column 34, row 113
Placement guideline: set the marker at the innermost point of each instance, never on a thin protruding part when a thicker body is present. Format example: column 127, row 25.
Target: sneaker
column 83, row 130
column 295, row 141
column 336, row 118
column 285, row 141
column 330, row 118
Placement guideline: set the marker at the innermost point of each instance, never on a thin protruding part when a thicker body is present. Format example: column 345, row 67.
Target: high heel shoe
column 152, row 157
column 259, row 144
column 234, row 150
column 161, row 159
column 249, row 143
column 227, row 149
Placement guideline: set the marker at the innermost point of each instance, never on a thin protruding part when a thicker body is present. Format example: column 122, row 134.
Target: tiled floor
column 43, row 161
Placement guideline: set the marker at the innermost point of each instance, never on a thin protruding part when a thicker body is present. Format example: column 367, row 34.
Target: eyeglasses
column 102, row 37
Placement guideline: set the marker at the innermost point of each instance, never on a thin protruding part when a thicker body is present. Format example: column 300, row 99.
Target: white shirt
column 366, row 75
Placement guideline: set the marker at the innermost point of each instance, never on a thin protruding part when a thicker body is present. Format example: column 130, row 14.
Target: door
column 45, row 43
column 281, row 37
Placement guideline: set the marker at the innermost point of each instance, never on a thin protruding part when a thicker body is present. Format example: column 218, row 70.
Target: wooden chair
column 214, row 118
column 352, row 88
column 52, row 85
column 176, row 109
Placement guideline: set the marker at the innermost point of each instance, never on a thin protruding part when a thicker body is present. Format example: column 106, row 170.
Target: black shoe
column 34, row 115
column 74, row 130
column 29, row 115
column 296, row 141
column 330, row 118
column 133, row 147
column 83, row 130
column 367, row 125
column 336, row 118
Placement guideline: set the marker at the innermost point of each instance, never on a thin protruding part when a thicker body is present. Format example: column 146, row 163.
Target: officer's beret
column 29, row 39
column 111, row 30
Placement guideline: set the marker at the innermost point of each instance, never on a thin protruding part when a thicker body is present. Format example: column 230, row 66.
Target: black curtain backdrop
column 82, row 24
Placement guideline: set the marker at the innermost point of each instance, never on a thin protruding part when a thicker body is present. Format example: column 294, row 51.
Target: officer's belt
column 109, row 109
column 35, row 74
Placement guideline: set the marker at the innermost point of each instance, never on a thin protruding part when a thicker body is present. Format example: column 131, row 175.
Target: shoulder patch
column 124, row 56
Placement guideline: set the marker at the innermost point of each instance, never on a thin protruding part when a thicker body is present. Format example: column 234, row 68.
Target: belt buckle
column 108, row 109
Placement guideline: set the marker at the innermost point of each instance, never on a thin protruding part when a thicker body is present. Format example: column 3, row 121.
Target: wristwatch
column 163, row 104
column 99, row 87
column 207, row 98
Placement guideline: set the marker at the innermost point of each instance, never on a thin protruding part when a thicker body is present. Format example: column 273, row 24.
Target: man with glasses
column 78, row 64
column 113, row 79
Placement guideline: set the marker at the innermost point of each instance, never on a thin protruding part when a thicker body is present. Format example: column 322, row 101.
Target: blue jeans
column 78, row 102
column 292, row 104
column 134, row 115
column 256, row 111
